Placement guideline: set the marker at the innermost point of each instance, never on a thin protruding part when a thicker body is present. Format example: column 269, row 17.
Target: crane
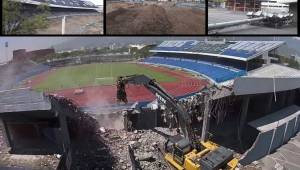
column 182, row 152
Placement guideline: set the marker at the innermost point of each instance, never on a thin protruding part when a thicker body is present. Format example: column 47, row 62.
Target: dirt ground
column 123, row 18
column 92, row 24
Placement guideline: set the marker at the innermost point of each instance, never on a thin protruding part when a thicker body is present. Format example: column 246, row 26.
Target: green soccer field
column 95, row 74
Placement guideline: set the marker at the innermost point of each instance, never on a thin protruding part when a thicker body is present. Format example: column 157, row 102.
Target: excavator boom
column 165, row 98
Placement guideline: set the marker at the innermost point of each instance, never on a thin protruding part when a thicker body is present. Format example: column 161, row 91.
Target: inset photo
column 274, row 17
column 142, row 17
column 58, row 17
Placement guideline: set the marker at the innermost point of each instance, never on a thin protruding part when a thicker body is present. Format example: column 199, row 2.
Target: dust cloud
column 106, row 115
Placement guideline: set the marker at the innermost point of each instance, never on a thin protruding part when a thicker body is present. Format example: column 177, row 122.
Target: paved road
column 217, row 15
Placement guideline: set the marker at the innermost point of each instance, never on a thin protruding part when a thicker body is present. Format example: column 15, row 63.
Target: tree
column 18, row 20
column 293, row 64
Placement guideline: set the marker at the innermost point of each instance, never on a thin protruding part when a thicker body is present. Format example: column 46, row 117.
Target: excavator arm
column 165, row 98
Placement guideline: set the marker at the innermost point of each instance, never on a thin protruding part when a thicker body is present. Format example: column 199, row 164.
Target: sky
column 28, row 43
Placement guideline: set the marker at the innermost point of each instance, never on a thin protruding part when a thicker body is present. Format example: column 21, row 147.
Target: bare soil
column 123, row 18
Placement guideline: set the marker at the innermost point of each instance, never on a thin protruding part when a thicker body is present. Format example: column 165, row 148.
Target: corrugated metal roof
column 18, row 100
column 238, row 50
column 273, row 120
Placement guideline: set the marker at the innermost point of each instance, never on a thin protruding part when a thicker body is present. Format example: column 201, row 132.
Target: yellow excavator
column 182, row 152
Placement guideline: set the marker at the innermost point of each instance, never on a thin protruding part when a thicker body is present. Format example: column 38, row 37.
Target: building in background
column 255, row 5
column 5, row 53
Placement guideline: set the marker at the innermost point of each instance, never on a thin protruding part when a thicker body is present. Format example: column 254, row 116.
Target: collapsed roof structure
column 68, row 4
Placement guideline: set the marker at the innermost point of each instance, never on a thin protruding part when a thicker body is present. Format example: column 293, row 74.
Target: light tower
column 6, row 58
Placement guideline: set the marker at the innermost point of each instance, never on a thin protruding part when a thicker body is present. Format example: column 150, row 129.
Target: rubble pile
column 145, row 144
column 88, row 149
column 2, row 142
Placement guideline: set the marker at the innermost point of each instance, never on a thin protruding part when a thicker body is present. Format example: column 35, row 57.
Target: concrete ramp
column 285, row 157
column 275, row 130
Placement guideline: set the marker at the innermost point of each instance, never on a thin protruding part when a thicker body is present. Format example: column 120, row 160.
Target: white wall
column 6, row 54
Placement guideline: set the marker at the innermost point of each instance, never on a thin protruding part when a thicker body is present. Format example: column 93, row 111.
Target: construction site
column 155, row 17
column 190, row 104
column 253, row 17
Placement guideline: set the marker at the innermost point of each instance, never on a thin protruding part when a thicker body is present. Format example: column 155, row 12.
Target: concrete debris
column 148, row 156
column 144, row 144
column 78, row 91
column 102, row 129
column 58, row 156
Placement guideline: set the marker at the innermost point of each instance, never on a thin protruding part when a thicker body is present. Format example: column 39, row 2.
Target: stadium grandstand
column 70, row 4
column 219, row 61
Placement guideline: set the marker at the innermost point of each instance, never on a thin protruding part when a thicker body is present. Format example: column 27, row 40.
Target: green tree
column 16, row 20
column 293, row 64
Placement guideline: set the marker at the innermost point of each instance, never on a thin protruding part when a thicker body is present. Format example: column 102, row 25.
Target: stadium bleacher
column 216, row 72
column 69, row 3
column 33, row 71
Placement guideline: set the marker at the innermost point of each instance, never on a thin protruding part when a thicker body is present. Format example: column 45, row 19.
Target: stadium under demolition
column 247, row 104
column 67, row 16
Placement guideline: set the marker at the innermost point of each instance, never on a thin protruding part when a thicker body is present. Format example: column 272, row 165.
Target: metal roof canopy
column 259, row 46
column 34, row 2
column 267, row 79
column 22, row 100
column 273, row 120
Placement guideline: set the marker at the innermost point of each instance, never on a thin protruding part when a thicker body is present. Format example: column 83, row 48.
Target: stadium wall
column 89, row 59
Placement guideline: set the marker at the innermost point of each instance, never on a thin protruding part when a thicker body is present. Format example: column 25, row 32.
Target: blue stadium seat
column 217, row 72
column 32, row 72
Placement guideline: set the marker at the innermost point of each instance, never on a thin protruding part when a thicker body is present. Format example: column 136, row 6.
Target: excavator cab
column 177, row 147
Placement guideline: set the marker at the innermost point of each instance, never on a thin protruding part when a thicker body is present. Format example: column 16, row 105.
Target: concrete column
column 243, row 117
column 63, row 25
column 234, row 4
column 266, row 58
column 6, row 135
column 206, row 118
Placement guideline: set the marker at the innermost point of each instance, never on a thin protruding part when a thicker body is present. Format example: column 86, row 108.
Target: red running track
column 106, row 95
